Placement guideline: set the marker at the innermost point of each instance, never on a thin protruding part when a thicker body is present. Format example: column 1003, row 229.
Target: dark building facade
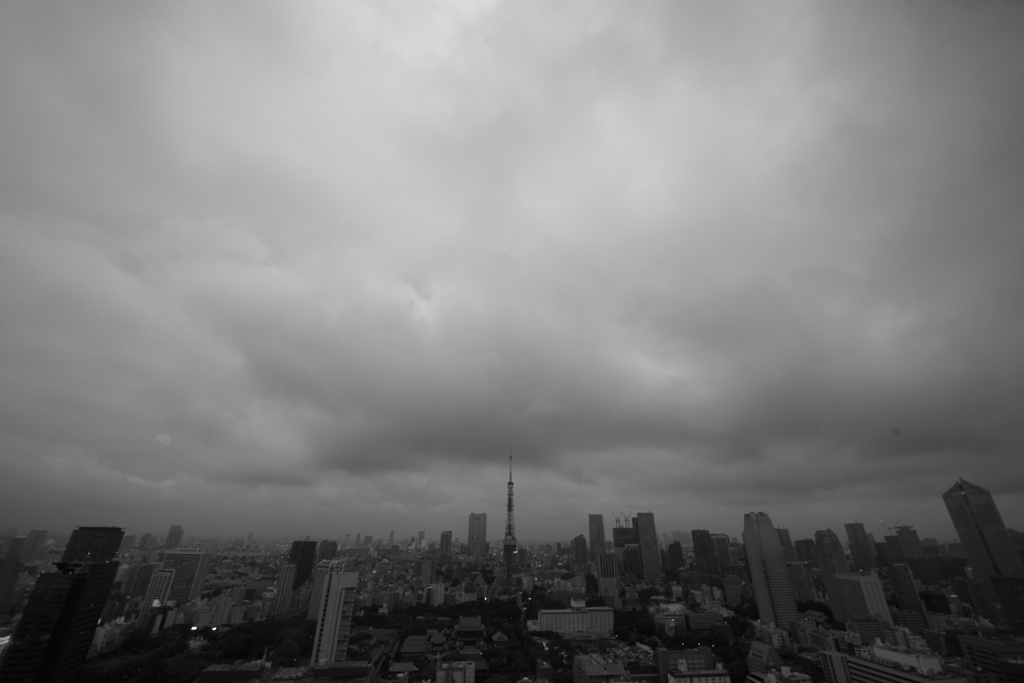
column 979, row 525
column 58, row 624
column 93, row 544
column 303, row 556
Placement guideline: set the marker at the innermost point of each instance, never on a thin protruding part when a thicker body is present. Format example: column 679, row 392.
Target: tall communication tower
column 509, row 544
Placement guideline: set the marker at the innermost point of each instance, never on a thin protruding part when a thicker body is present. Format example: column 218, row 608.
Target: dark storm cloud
column 690, row 258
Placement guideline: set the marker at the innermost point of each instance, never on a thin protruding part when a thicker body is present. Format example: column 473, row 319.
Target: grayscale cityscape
column 512, row 341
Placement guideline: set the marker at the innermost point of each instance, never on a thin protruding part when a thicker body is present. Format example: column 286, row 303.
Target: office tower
column 704, row 550
column 623, row 536
column 93, row 544
column 861, row 597
column 579, row 550
column 446, row 544
column 9, row 572
column 284, row 590
column 904, row 590
column 675, row 556
column 631, row 562
column 13, row 551
column 650, row 555
column 157, row 594
column 57, row 627
column 909, row 541
column 862, row 546
column 832, row 560
column 1009, row 592
column 420, row 535
column 303, row 556
column 334, row 603
column 174, row 536
column 137, row 579
column 766, row 561
column 391, row 537
column 806, row 551
column 598, row 546
column 32, row 550
column 803, row 582
column 979, row 525
column 145, row 542
column 127, row 544
column 722, row 554
column 427, row 571
column 328, row 551
column 477, row 539
column 359, row 539
column 608, row 579
column 348, row 540
column 189, row 565
column 368, row 539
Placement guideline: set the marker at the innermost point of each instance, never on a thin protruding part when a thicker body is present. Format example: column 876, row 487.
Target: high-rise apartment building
column 189, row 565
column 650, row 554
column 832, row 560
column 979, row 525
column 174, row 536
column 598, row 546
column 93, row 544
column 477, row 539
column 862, row 546
column 766, row 561
column 334, row 602
column 446, row 545
column 303, row 556
column 58, row 623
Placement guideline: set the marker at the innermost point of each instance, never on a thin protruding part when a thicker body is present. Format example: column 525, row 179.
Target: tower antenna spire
column 509, row 543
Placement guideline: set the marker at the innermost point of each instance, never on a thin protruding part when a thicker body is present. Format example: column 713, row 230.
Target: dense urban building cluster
column 697, row 607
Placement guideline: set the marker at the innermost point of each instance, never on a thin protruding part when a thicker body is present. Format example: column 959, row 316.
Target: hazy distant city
column 507, row 341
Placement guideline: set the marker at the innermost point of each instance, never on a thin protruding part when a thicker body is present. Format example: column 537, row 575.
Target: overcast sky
column 317, row 268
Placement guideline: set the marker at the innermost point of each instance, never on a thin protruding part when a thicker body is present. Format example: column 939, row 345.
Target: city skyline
column 277, row 268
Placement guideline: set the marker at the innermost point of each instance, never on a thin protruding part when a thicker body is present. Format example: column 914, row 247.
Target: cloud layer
column 698, row 259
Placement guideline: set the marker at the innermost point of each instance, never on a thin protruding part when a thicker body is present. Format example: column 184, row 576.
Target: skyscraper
column 608, row 579
column 189, row 565
column 773, row 587
column 722, row 554
column 174, row 536
column 579, row 550
column 284, row 590
column 156, row 595
column 861, row 597
column 58, row 624
column 905, row 591
column 328, row 550
column 704, row 550
column 334, row 601
column 32, row 550
column 446, row 545
column 980, row 527
column 303, row 556
column 862, row 546
column 650, row 555
column 832, row 560
column 93, row 544
column 598, row 545
column 477, row 539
